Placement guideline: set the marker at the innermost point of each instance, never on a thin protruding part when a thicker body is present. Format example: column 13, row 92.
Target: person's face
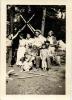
column 30, row 45
column 21, row 37
column 37, row 34
column 43, row 46
column 28, row 36
column 34, row 47
column 47, row 44
column 50, row 33
column 10, row 36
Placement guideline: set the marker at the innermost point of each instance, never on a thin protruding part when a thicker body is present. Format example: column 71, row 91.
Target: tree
column 43, row 20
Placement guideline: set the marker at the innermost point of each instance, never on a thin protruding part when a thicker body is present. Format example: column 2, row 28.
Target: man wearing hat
column 39, row 38
column 38, row 41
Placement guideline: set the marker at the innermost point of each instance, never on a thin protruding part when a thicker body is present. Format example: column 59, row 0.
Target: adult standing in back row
column 52, row 42
column 39, row 39
column 51, row 38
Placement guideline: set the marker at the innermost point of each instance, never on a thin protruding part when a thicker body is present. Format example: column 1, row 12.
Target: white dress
column 21, row 51
column 44, row 55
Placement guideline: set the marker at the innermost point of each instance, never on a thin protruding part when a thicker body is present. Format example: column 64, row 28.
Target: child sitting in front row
column 26, row 62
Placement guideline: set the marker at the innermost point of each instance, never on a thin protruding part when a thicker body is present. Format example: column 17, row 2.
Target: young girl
column 43, row 55
column 21, row 50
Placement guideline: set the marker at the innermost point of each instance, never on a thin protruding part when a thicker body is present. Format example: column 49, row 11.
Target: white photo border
column 68, row 4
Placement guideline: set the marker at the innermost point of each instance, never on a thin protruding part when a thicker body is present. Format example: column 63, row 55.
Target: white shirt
column 8, row 42
column 50, row 39
column 22, row 42
column 38, row 41
column 51, row 51
column 43, row 53
column 62, row 45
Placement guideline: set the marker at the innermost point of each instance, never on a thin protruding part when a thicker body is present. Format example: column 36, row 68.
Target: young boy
column 52, row 55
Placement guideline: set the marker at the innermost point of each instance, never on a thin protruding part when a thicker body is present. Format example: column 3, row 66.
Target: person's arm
column 41, row 54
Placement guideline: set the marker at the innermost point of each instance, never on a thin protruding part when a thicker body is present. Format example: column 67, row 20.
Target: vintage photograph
column 35, row 49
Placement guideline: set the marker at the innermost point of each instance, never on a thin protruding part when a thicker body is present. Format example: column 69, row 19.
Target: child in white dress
column 44, row 55
column 21, row 51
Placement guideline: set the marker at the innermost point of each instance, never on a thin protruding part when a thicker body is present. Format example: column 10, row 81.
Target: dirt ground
column 37, row 82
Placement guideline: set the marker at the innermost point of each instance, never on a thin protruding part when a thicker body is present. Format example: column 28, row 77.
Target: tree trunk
column 11, row 20
column 43, row 21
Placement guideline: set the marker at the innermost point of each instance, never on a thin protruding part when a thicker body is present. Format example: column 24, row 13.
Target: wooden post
column 43, row 21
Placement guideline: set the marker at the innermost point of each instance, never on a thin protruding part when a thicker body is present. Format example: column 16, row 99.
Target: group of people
column 38, row 52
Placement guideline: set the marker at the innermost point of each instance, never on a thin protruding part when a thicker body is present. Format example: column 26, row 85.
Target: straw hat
column 37, row 30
